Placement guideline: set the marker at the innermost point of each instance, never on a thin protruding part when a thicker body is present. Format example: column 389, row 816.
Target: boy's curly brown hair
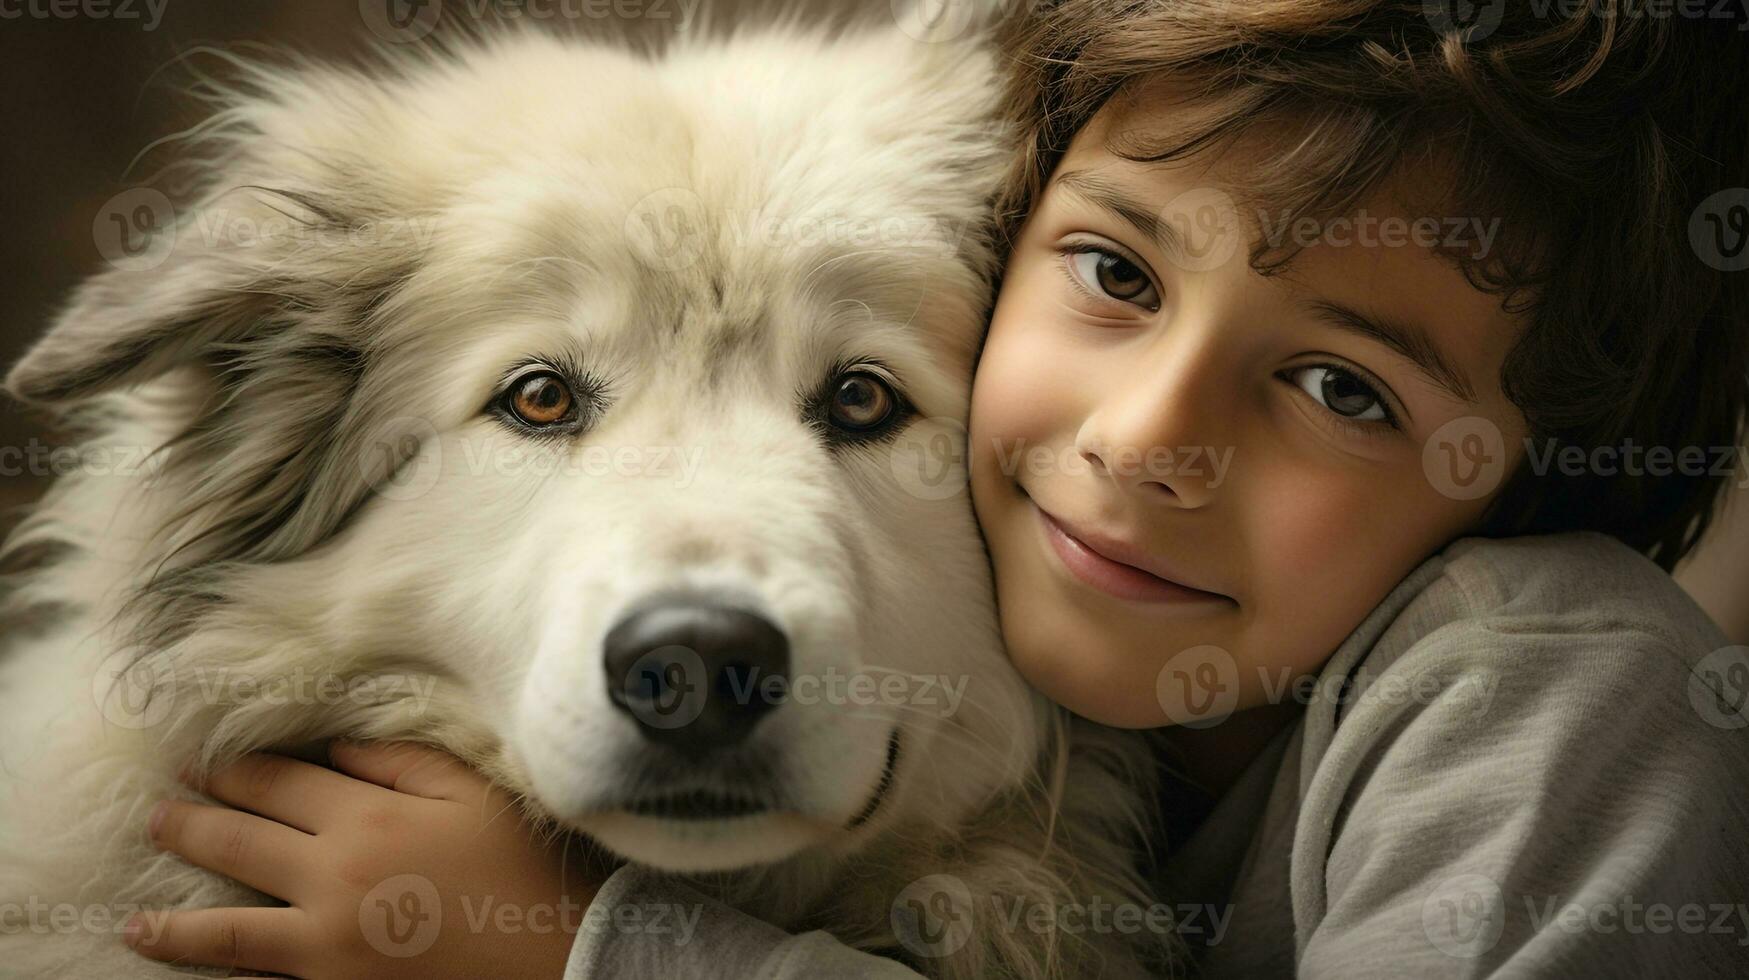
column 1597, row 130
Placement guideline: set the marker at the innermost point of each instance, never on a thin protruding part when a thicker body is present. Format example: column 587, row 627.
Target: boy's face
column 1258, row 441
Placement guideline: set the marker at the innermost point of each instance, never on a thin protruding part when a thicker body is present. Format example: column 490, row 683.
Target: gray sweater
column 1531, row 760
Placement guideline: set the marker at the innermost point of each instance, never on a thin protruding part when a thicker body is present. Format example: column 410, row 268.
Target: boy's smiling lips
column 1116, row 567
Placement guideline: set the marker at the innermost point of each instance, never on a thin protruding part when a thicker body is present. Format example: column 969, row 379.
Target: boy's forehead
column 1157, row 114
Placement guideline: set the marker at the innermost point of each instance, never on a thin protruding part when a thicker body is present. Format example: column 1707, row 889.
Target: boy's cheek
column 1021, row 391
column 1325, row 553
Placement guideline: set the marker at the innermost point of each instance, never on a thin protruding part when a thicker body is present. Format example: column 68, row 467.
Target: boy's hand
column 417, row 868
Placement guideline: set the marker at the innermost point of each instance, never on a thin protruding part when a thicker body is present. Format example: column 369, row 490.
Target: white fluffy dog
column 575, row 411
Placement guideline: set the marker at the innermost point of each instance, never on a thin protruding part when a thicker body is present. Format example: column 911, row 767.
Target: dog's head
column 614, row 394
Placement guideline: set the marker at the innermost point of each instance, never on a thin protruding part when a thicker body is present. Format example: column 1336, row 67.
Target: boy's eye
column 1115, row 276
column 1342, row 393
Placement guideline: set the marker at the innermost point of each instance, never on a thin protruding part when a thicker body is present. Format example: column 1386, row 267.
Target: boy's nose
column 1153, row 447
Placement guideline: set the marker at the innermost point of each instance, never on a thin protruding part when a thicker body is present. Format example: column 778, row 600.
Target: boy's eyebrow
column 1096, row 190
column 1411, row 341
column 1407, row 339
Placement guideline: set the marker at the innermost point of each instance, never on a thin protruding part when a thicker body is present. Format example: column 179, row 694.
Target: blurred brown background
column 84, row 94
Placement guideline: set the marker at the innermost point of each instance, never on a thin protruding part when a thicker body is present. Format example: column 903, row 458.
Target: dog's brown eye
column 542, row 399
column 862, row 401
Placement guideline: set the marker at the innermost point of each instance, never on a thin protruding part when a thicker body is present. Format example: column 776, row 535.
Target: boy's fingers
column 408, row 767
column 292, row 792
column 259, row 940
column 253, row 850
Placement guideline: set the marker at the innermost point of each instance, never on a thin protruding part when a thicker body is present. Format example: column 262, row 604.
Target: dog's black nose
column 694, row 673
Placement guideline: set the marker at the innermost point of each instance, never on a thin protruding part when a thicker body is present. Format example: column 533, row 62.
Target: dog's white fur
column 442, row 219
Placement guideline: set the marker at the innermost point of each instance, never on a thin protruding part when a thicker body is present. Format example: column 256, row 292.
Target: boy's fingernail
column 135, row 928
column 157, row 819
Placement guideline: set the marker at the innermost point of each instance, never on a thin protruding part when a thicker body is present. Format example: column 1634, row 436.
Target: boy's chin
column 1114, row 694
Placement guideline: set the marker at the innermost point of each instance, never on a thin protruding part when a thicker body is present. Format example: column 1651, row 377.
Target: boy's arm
column 1567, row 805
column 399, row 833
column 620, row 937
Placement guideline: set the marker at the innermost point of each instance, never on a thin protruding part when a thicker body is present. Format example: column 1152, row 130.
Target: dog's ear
column 250, row 270
column 126, row 325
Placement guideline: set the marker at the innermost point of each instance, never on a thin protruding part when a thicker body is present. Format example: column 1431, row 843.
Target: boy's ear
column 125, row 326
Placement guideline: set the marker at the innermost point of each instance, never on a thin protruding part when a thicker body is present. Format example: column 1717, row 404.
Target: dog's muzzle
column 695, row 674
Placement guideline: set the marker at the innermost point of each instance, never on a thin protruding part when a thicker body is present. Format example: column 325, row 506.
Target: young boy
column 1371, row 353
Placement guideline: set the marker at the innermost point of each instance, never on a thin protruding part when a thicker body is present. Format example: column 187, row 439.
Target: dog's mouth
column 706, row 804
column 883, row 786
column 701, row 804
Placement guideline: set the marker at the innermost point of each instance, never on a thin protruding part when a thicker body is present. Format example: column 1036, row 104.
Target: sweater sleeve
column 645, row 925
column 1517, row 798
